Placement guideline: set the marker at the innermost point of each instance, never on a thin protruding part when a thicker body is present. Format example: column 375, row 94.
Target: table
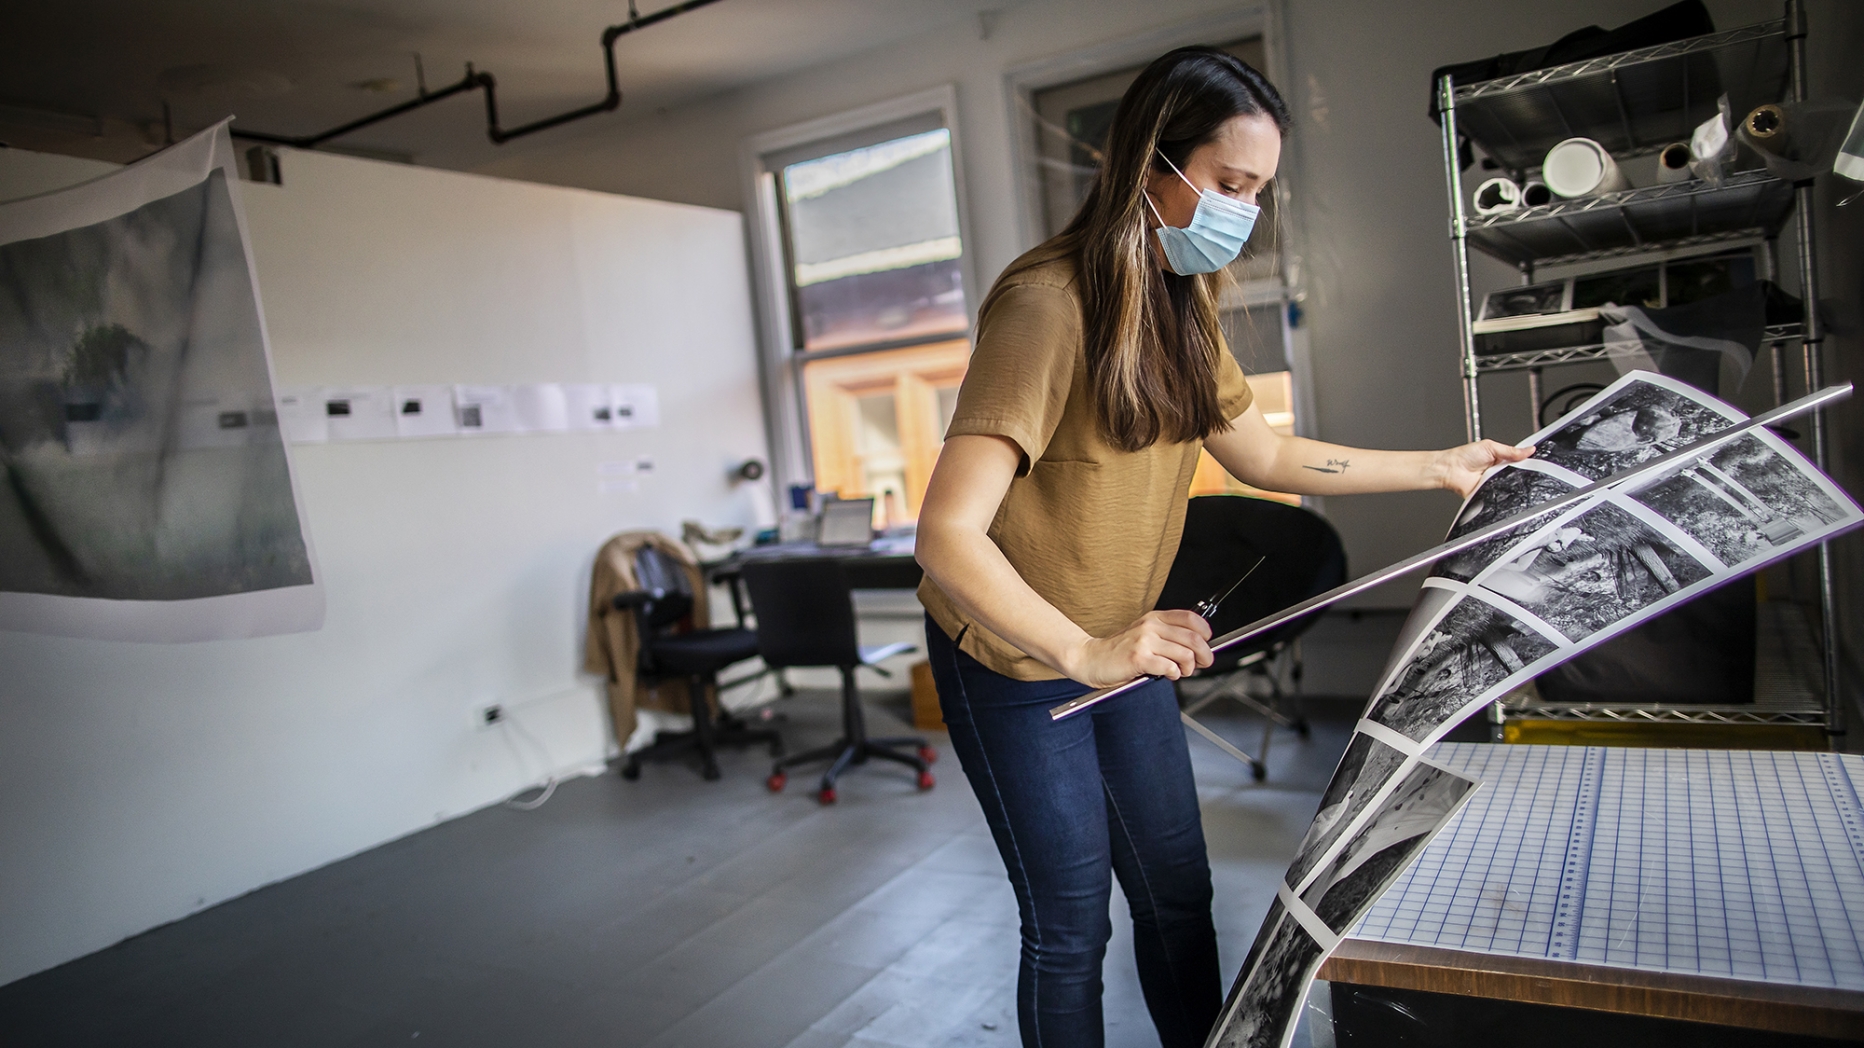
column 1719, row 886
column 885, row 563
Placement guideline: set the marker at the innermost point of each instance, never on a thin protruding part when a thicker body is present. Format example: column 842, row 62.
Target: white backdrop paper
column 150, row 492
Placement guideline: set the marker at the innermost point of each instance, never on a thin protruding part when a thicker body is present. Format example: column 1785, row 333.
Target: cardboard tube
column 1673, row 164
column 1766, row 129
column 1535, row 194
column 1581, row 167
column 1497, row 195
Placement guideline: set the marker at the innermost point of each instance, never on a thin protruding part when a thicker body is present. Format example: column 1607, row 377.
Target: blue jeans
column 1070, row 803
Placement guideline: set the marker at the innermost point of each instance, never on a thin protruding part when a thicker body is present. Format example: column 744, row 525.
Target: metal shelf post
column 1459, row 243
column 1812, row 341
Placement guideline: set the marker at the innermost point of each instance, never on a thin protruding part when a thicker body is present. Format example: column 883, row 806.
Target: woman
column 1051, row 521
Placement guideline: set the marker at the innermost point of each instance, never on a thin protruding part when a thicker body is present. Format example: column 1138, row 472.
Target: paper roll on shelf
column 1534, row 194
column 1580, row 167
column 1673, row 164
column 1767, row 129
column 1497, row 195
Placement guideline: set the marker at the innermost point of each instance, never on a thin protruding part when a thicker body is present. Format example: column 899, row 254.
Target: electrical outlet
column 487, row 716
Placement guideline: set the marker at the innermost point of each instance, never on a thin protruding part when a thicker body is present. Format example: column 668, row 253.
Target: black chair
column 661, row 605
column 1301, row 555
column 805, row 617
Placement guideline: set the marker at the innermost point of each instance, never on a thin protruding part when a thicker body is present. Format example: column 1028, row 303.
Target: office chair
column 805, row 617
column 1301, row 555
column 663, row 600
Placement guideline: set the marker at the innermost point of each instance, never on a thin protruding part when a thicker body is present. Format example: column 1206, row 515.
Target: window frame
column 781, row 361
column 1022, row 82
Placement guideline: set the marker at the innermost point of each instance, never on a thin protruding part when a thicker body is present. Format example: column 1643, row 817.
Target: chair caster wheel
column 1258, row 772
column 711, row 773
column 928, row 754
column 631, row 772
column 777, row 781
column 926, row 781
column 826, row 795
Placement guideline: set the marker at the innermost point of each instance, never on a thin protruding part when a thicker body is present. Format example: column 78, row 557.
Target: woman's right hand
column 1170, row 644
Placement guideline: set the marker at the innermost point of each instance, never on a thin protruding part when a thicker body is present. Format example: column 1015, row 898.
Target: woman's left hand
column 1460, row 469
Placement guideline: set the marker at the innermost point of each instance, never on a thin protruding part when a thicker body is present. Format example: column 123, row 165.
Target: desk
column 885, row 563
column 1719, row 886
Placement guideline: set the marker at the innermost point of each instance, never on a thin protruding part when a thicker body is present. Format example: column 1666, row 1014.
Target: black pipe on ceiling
column 475, row 80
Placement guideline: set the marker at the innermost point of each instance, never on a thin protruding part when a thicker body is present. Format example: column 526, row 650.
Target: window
column 876, row 421
column 1072, row 121
column 875, row 305
column 873, row 243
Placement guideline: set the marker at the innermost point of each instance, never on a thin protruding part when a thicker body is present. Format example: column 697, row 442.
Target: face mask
column 1218, row 229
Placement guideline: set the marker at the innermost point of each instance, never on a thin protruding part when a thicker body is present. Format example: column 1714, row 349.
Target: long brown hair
column 1152, row 336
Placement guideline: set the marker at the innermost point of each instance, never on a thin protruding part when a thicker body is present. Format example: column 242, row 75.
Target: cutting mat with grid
column 1734, row 863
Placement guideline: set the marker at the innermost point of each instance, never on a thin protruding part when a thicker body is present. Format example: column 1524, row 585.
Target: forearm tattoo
column 1332, row 466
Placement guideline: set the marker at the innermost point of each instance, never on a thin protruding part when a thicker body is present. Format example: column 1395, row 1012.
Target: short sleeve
column 1028, row 350
column 1233, row 393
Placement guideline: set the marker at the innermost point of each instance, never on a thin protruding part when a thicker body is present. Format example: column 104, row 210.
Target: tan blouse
column 1091, row 528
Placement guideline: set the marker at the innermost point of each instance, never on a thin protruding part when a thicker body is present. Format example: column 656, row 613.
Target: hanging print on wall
column 145, row 490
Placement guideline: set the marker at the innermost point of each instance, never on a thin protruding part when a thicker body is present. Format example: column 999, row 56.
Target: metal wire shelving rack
column 1634, row 103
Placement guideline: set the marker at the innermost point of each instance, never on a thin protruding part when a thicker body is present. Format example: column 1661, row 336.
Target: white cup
column 1581, row 167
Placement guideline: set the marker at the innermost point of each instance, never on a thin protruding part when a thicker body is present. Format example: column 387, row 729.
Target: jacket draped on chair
column 613, row 646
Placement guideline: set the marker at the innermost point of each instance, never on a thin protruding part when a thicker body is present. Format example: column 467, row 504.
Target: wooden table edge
column 1781, row 1008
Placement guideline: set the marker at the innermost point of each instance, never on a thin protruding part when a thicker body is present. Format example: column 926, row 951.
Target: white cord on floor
column 550, row 784
column 550, row 787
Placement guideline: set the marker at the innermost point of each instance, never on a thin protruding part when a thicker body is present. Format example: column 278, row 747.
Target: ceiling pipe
column 475, row 80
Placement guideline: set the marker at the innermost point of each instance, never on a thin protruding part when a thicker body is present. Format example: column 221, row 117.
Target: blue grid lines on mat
column 1732, row 863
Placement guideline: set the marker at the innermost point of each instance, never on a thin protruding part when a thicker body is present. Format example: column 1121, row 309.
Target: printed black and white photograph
column 1366, row 766
column 1467, row 564
column 138, row 435
column 1463, row 659
column 1505, row 494
column 1637, row 418
column 1747, row 500
column 1268, row 996
column 1265, row 934
column 1593, row 571
column 1431, row 604
column 1386, row 843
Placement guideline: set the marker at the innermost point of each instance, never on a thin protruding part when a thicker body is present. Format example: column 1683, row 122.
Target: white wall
column 139, row 783
column 1364, row 164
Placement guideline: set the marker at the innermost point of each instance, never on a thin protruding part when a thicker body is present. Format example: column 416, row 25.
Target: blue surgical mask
column 1218, row 229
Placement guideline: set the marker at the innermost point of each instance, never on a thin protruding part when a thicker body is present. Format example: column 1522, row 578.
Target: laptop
column 846, row 522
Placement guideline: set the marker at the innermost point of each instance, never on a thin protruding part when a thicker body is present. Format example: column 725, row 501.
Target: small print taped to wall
column 149, row 493
column 321, row 414
column 359, row 412
column 424, row 411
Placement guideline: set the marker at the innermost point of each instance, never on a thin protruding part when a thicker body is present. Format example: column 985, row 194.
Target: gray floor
column 664, row 912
